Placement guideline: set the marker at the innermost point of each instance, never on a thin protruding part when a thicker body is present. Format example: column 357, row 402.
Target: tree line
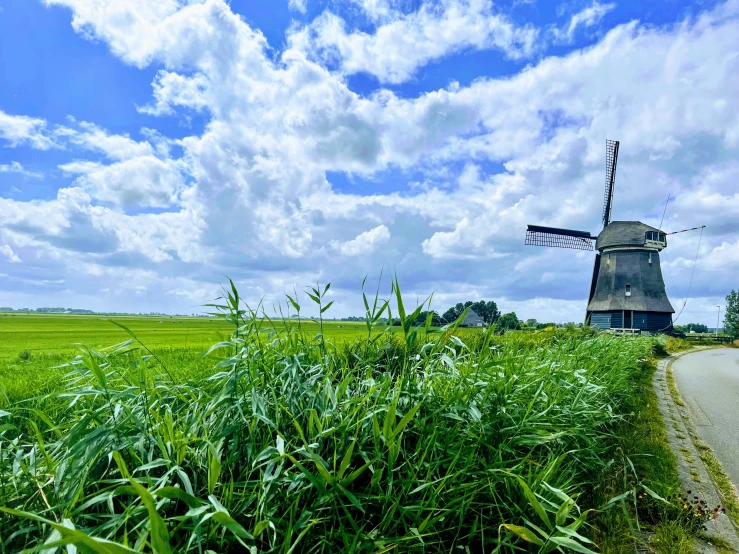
column 487, row 310
column 490, row 314
column 694, row 327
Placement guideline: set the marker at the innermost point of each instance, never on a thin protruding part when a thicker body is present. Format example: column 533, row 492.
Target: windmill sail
column 611, row 161
column 537, row 235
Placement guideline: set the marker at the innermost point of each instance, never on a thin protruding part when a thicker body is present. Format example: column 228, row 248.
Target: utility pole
column 717, row 318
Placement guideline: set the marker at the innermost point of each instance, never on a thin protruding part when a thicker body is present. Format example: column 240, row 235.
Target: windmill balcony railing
column 625, row 331
column 660, row 244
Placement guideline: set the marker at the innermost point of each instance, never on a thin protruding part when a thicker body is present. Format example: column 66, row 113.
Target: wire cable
column 690, row 283
column 669, row 271
column 664, row 211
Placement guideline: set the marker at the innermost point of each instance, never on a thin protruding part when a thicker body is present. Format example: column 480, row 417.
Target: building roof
column 473, row 319
column 623, row 233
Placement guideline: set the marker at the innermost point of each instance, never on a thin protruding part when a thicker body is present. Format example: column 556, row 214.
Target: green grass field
column 32, row 346
column 58, row 334
column 278, row 441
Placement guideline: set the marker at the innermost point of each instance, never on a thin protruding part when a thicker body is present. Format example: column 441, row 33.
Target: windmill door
column 627, row 319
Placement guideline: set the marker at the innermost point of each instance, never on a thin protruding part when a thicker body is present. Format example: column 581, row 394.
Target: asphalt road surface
column 708, row 382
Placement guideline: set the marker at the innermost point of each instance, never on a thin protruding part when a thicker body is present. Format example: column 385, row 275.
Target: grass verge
column 643, row 522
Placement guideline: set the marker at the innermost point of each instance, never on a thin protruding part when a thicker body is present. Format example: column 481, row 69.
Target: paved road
column 708, row 382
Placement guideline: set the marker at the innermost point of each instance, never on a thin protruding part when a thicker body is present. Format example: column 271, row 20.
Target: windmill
column 626, row 290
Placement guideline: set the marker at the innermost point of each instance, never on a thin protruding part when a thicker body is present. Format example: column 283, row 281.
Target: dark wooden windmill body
column 627, row 291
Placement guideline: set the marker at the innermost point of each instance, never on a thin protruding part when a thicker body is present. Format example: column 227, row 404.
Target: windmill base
column 632, row 321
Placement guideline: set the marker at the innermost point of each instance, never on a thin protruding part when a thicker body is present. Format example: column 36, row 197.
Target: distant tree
column 509, row 321
column 488, row 311
column 531, row 323
column 449, row 315
column 731, row 316
column 421, row 319
column 695, row 327
column 453, row 313
column 493, row 313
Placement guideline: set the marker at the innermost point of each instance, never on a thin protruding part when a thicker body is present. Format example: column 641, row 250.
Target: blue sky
column 149, row 149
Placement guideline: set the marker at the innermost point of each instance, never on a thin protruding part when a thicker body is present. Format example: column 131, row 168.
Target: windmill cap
column 623, row 233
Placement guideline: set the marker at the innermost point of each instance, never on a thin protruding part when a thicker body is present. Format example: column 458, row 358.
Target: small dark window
column 628, row 290
column 662, row 238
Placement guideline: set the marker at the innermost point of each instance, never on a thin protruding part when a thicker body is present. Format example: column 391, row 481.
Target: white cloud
column 139, row 181
column 70, row 228
column 20, row 129
column 176, row 33
column 15, row 167
column 587, row 17
column 133, row 29
column 116, row 147
column 298, row 5
column 195, row 292
column 140, row 174
column 172, row 90
column 404, row 43
column 365, row 243
column 376, row 9
column 7, row 252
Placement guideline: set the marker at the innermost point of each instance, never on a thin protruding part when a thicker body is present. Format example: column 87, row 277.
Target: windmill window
column 628, row 290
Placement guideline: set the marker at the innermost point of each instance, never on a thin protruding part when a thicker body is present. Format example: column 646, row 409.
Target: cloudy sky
column 150, row 149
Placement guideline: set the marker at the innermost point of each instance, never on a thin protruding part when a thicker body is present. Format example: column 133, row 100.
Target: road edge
column 698, row 469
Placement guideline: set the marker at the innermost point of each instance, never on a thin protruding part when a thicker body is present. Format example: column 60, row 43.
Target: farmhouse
column 473, row 320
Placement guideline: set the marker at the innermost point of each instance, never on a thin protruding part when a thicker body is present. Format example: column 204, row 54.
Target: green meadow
column 240, row 434
column 32, row 346
column 59, row 333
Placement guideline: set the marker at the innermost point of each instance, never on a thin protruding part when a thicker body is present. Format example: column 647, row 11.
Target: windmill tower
column 627, row 290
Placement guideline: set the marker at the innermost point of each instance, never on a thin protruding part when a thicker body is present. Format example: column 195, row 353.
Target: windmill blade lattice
column 611, row 161
column 537, row 235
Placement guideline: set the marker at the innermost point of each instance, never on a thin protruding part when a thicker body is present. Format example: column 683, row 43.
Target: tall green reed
column 430, row 442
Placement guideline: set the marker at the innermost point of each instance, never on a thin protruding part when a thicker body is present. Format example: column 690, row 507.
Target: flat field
column 60, row 333
column 33, row 346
